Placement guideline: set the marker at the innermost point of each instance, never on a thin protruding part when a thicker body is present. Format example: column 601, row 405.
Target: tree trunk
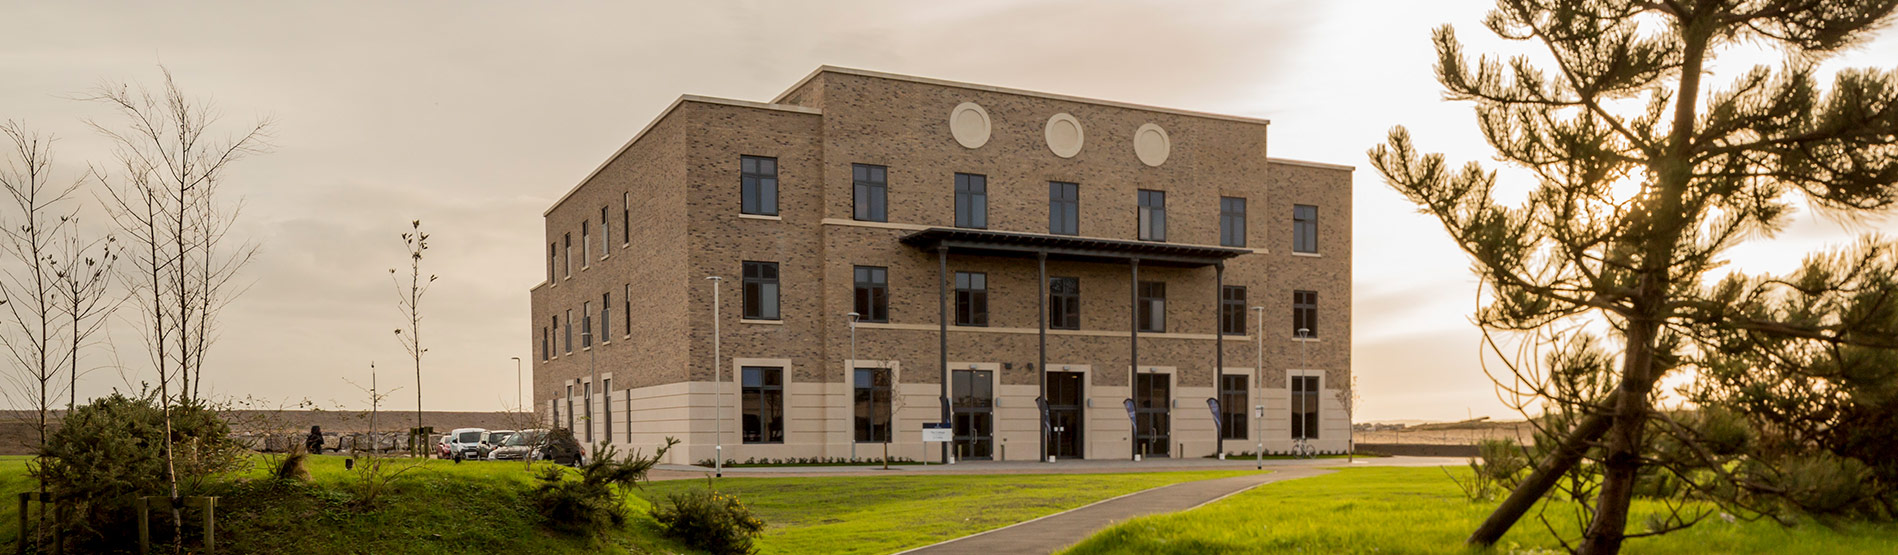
column 1541, row 480
column 1609, row 525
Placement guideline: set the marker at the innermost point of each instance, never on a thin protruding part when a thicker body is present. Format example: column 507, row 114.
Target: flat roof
column 1037, row 94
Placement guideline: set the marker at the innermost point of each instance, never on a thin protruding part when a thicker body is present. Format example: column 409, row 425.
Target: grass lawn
column 887, row 513
column 1418, row 510
column 475, row 507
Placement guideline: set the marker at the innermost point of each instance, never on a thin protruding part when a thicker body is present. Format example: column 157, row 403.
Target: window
column 1232, row 221
column 1305, row 313
column 763, row 404
column 606, row 407
column 873, row 294
column 553, row 257
column 1064, row 303
column 872, row 388
column 1152, row 305
column 626, row 308
column 606, row 317
column 1304, row 228
column 569, row 338
column 586, row 244
column 1305, row 407
column 557, row 333
column 972, row 200
column 1232, row 406
column 870, row 199
column 569, row 407
column 586, row 325
column 758, row 184
column 761, row 290
column 1152, row 215
column 545, row 351
column 606, row 233
column 972, row 299
column 555, row 405
column 626, row 219
column 1064, row 208
column 566, row 254
column 1232, row 310
column 586, row 400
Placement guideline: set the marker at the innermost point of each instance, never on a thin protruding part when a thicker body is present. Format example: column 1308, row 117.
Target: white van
column 467, row 443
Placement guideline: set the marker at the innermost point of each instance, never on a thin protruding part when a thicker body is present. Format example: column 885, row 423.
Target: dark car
column 561, row 448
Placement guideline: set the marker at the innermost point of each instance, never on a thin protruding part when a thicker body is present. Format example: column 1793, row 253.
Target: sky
column 475, row 116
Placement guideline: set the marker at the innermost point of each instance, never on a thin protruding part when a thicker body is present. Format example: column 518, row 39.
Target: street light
column 718, row 390
column 850, row 371
column 1258, row 383
column 517, row 385
column 586, row 339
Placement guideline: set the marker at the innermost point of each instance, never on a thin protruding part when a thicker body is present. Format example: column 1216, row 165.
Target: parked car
column 466, row 443
column 561, row 448
column 441, row 448
column 496, row 438
column 519, row 445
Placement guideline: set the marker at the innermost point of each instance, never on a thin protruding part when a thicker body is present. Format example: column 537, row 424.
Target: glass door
column 1153, row 422
column 1065, row 404
column 974, row 416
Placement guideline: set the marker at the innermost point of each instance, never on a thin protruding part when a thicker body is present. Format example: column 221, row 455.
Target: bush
column 291, row 467
column 708, row 520
column 591, row 504
column 112, row 450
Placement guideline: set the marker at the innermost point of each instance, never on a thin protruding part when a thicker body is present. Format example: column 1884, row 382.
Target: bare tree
column 409, row 301
column 165, row 199
column 84, row 291
column 1348, row 398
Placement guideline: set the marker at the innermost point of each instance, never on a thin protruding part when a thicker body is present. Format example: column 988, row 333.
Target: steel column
column 942, row 335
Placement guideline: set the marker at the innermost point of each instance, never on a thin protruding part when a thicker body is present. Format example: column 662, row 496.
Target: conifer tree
column 1642, row 173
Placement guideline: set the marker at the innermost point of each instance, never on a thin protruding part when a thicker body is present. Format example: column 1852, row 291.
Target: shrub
column 591, row 504
column 1502, row 461
column 708, row 520
column 112, row 450
column 291, row 467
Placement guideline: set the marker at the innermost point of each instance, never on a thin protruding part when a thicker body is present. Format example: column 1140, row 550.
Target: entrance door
column 1153, row 423
column 1064, row 414
column 974, row 416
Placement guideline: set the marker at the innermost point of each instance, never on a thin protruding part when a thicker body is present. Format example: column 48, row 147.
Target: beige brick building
column 930, row 210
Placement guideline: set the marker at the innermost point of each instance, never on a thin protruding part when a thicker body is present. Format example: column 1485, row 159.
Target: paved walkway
column 1053, row 532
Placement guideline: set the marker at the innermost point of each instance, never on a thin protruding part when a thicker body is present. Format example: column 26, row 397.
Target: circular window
column 1151, row 145
column 969, row 123
column 1064, row 135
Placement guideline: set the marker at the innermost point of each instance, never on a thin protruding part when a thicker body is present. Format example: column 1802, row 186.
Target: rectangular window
column 557, row 331
column 1152, row 305
column 606, row 407
column 586, row 244
column 870, row 199
column 1064, row 303
column 972, row 200
column 1232, row 406
column 626, row 219
column 758, row 185
column 606, row 233
column 872, row 293
column 545, row 350
column 762, row 400
column 566, row 253
column 1305, row 407
column 1152, row 215
column 606, row 317
column 1232, row 221
column 626, row 306
column 569, row 407
column 553, row 258
column 586, row 324
column 586, row 400
column 972, row 299
column 761, row 290
column 1304, row 314
column 872, row 404
column 569, row 338
column 1304, row 228
column 1232, row 310
column 1064, row 208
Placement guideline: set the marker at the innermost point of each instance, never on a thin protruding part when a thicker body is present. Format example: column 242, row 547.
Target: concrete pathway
column 1053, row 532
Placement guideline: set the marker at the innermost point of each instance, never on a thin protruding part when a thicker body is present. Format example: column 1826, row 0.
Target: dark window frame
column 769, row 404
column 1232, row 221
column 1151, row 218
column 972, row 201
column 586, row 325
column 972, row 299
column 566, row 241
column 1305, row 313
column 606, row 317
column 1232, row 405
column 869, row 193
column 1305, row 228
column 1232, row 310
column 758, row 185
column 626, row 219
column 569, row 337
column 764, row 277
column 1151, row 296
column 871, row 295
column 1313, row 405
column 1064, row 208
column 626, row 301
column 1064, row 303
column 870, row 404
column 586, row 244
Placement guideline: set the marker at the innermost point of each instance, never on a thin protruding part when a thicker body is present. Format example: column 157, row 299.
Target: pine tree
column 1642, row 177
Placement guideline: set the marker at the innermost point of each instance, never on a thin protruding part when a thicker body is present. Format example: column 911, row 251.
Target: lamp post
column 850, row 371
column 517, row 385
column 718, row 390
column 586, row 338
column 1258, row 370
column 1304, row 428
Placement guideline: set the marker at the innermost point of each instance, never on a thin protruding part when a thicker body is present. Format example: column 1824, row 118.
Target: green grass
column 887, row 513
column 1418, row 510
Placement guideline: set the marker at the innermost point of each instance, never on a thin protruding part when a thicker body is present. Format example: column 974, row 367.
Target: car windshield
column 470, row 437
column 523, row 438
column 499, row 438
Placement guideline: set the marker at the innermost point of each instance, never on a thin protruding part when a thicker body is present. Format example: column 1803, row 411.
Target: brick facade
column 683, row 176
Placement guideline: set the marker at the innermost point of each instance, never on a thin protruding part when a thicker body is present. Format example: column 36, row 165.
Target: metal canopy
column 1063, row 247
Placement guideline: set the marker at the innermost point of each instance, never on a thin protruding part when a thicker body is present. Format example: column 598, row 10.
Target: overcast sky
column 474, row 117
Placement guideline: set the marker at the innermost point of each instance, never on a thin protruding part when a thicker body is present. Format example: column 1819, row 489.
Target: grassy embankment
column 1418, row 510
